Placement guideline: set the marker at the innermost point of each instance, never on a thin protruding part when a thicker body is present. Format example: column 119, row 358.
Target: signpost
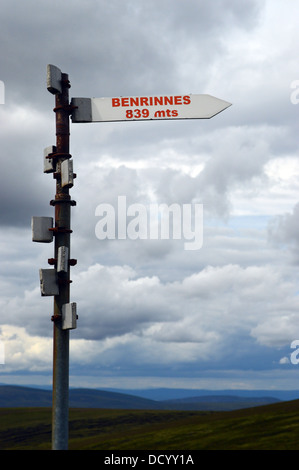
column 57, row 160
column 146, row 108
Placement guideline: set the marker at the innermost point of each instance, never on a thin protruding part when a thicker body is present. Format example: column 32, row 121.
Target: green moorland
column 271, row 427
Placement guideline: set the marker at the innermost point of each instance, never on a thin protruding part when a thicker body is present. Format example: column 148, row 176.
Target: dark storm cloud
column 106, row 48
column 112, row 48
column 22, row 179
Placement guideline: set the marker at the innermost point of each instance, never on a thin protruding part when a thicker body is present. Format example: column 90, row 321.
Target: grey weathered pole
column 62, row 238
column 59, row 85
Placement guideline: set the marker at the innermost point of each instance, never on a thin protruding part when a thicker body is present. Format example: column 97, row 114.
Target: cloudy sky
column 152, row 313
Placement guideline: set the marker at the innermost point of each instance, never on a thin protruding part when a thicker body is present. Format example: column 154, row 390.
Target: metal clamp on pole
column 53, row 202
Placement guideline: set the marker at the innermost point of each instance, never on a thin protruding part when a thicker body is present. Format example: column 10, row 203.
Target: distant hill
column 218, row 402
column 15, row 396
column 161, row 394
column 90, row 398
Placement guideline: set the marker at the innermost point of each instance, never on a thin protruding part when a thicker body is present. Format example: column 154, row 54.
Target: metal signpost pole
column 62, row 239
column 56, row 282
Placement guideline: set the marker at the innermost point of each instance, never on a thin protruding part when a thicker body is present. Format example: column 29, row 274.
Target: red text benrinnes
column 151, row 101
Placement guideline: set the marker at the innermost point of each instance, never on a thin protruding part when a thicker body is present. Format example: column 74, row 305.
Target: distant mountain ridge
column 218, row 402
column 160, row 394
column 17, row 396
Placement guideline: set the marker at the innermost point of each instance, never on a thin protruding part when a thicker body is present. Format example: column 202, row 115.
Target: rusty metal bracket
column 68, row 108
column 59, row 155
column 56, row 318
column 60, row 230
column 53, row 262
column 53, row 202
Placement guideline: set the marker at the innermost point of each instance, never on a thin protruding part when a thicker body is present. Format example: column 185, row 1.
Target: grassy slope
column 268, row 427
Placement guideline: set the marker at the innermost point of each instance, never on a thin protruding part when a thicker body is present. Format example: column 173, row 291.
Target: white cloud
column 23, row 351
column 284, row 360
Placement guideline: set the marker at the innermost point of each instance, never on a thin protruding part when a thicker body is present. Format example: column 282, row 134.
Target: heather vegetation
column 271, row 427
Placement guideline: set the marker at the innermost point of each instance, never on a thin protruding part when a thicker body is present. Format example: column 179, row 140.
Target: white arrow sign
column 145, row 108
